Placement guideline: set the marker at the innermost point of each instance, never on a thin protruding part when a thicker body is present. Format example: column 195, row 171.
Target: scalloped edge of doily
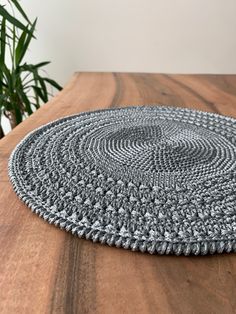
column 152, row 247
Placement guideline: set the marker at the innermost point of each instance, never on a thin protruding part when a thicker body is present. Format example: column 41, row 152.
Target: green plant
column 23, row 86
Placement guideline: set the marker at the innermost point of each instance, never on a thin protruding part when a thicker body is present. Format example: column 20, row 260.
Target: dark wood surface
column 46, row 270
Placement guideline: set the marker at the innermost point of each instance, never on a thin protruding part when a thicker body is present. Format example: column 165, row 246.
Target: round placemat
column 149, row 178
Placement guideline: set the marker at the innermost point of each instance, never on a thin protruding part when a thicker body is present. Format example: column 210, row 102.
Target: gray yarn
column 155, row 179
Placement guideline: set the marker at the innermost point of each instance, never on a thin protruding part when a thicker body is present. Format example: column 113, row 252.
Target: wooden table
column 46, row 270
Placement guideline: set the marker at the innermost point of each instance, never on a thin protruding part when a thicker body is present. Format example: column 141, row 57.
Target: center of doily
column 163, row 148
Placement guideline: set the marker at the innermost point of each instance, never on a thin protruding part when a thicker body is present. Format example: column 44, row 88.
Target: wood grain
column 46, row 270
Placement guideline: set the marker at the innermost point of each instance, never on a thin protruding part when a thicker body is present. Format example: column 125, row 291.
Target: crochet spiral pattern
column 155, row 179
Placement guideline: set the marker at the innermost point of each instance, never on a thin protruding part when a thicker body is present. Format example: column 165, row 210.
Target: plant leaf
column 6, row 105
column 23, row 44
column 38, row 92
column 3, row 41
column 19, row 47
column 7, row 75
column 2, row 49
column 41, row 64
column 30, row 67
column 19, row 8
column 17, row 113
column 53, row 83
column 44, row 88
column 11, row 19
column 25, row 100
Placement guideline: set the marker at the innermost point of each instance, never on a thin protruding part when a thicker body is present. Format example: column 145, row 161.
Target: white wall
column 174, row 36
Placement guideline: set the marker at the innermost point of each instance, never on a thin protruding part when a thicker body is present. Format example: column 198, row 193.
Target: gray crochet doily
column 155, row 179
